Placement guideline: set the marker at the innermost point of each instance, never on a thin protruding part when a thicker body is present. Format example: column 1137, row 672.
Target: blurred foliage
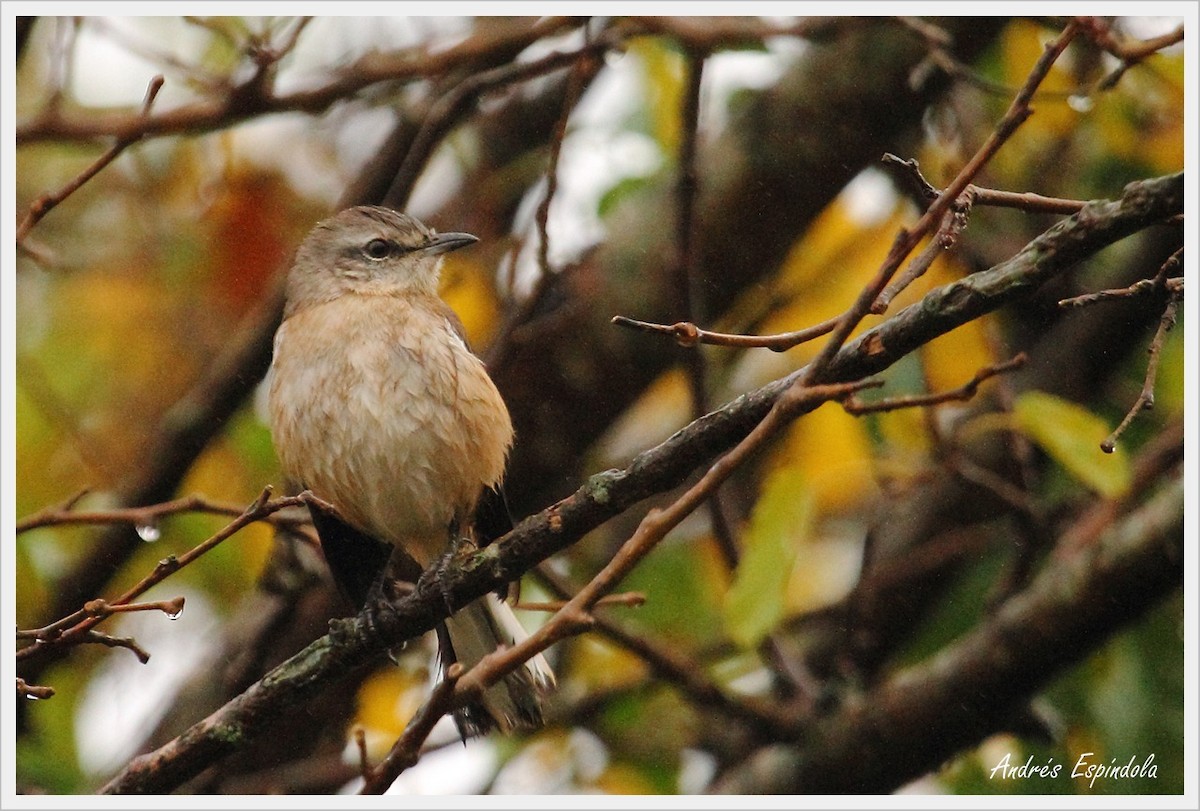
column 1072, row 436
column 146, row 273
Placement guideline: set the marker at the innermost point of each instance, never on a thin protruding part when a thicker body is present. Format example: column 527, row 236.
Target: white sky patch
column 109, row 73
column 125, row 699
column 870, row 197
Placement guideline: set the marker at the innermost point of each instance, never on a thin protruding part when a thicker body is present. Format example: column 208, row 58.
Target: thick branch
column 611, row 492
column 916, row 719
column 254, row 98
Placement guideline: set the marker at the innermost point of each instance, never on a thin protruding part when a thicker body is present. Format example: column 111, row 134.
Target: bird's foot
column 459, row 547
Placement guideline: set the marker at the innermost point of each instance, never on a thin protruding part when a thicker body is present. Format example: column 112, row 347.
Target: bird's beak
column 452, row 241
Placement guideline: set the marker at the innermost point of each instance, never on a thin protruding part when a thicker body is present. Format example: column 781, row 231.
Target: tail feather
column 514, row 702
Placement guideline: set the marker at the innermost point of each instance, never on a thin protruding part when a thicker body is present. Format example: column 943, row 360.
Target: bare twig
column 1025, row 201
column 127, row 642
column 1174, row 286
column 1145, row 399
column 149, row 516
column 627, row 599
column 364, row 761
column 218, row 112
column 455, row 104
column 688, row 334
column 78, row 625
column 41, row 206
column 407, row 748
column 1018, row 111
column 975, row 195
column 1130, row 53
column 953, row 223
column 964, row 392
column 583, row 68
column 686, row 268
column 1162, row 284
column 100, row 609
column 33, row 691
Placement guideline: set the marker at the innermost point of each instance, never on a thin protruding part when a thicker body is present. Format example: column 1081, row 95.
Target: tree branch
column 919, row 717
column 353, row 644
column 255, row 98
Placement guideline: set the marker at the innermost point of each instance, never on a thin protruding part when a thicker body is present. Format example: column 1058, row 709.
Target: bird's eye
column 378, row 249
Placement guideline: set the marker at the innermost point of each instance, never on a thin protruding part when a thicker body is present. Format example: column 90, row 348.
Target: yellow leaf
column 622, row 778
column 1071, row 435
column 599, row 664
column 387, row 700
column 466, row 288
column 663, row 88
column 830, row 450
column 781, row 519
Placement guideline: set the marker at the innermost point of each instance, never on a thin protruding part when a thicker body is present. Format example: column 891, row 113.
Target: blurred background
column 146, row 300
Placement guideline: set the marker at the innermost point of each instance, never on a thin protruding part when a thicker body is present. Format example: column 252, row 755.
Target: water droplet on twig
column 148, row 532
column 1081, row 103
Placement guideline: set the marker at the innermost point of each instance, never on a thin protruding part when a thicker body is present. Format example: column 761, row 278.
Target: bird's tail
column 514, row 702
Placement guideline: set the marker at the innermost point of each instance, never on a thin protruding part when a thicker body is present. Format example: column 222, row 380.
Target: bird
column 378, row 407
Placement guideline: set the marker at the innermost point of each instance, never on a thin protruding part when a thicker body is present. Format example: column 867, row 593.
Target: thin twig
column 686, row 269
column 33, row 691
column 127, row 642
column 964, row 392
column 975, row 195
column 217, row 112
column 457, row 101
column 42, row 206
column 148, row 516
column 577, row 80
column 1145, row 399
column 85, row 622
column 628, row 599
column 1025, row 201
column 953, row 223
column 1018, row 111
column 100, row 609
column 364, row 760
column 407, row 748
column 688, row 334
column 1174, row 286
column 1130, row 53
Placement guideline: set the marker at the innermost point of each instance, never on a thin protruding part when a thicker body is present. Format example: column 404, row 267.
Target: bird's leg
column 386, row 589
column 459, row 544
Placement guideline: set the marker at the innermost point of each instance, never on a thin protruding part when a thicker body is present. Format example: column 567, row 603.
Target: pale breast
column 377, row 406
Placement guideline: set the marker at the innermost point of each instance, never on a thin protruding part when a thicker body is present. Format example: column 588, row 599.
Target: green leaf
column 623, row 189
column 781, row 519
column 1071, row 435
